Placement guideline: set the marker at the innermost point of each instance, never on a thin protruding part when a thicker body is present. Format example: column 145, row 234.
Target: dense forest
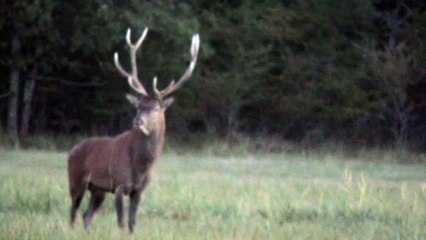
column 301, row 70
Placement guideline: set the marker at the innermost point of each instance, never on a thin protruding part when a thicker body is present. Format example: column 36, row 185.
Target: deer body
column 122, row 164
column 121, row 161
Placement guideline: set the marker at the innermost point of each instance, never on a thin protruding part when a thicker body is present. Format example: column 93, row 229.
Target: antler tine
column 154, row 87
column 128, row 76
column 129, row 37
column 133, row 50
column 119, row 67
column 195, row 46
column 142, row 38
column 132, row 78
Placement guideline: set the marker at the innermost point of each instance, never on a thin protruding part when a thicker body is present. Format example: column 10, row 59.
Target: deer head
column 150, row 108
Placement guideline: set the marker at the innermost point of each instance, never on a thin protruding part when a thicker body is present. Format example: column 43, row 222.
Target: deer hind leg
column 77, row 190
column 77, row 194
column 96, row 199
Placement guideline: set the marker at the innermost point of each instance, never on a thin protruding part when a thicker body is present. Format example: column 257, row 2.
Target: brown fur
column 119, row 165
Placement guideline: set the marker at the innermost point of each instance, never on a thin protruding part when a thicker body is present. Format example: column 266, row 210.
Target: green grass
column 204, row 195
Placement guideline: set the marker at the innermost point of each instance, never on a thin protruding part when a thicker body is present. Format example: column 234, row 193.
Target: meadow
column 206, row 195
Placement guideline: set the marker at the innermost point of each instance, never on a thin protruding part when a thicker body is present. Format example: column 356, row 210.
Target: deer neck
column 148, row 147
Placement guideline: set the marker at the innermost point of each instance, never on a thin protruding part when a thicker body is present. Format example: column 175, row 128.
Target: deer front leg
column 119, row 206
column 133, row 208
column 134, row 203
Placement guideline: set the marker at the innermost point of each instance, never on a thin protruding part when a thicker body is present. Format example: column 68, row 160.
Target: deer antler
column 174, row 86
column 133, row 76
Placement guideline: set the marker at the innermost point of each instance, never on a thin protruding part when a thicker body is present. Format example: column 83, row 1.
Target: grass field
column 206, row 196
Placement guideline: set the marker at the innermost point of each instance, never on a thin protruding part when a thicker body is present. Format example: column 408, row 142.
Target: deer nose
column 139, row 123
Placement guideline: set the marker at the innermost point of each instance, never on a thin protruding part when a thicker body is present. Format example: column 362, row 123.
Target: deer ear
column 168, row 102
column 133, row 100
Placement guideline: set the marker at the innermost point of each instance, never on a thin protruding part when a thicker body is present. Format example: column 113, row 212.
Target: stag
column 121, row 165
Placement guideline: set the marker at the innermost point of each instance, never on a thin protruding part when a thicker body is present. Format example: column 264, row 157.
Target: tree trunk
column 28, row 97
column 27, row 102
column 12, row 120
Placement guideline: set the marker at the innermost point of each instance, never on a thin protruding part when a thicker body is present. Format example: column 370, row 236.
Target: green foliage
column 305, row 69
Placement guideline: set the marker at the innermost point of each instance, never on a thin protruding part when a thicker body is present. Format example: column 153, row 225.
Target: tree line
column 305, row 70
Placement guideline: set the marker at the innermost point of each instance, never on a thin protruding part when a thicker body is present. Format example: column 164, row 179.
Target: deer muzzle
column 144, row 130
column 141, row 124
